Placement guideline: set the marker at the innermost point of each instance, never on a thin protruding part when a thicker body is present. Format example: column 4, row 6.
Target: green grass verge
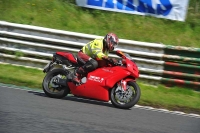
column 179, row 99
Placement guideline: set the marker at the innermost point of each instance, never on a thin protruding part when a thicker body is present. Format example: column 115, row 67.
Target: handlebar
column 120, row 54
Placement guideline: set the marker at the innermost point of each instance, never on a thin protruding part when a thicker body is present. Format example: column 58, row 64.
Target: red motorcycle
column 115, row 83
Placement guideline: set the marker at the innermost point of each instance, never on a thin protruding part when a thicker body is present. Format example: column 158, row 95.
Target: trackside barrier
column 33, row 46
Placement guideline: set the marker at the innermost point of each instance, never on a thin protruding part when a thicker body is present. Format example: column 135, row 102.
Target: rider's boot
column 77, row 75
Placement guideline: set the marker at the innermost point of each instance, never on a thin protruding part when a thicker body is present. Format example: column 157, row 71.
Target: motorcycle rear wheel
column 50, row 87
column 127, row 99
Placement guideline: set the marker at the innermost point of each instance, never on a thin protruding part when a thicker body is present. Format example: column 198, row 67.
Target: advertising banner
column 169, row 9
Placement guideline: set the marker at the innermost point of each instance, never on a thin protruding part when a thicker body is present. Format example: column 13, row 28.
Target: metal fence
column 33, row 46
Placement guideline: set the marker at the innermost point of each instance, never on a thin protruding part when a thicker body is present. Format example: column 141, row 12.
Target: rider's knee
column 91, row 65
column 94, row 63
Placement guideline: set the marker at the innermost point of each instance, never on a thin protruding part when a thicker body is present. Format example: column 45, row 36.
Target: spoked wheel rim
column 52, row 86
column 127, row 98
column 123, row 97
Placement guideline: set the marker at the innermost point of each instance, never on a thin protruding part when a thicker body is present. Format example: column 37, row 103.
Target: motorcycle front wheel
column 50, row 87
column 125, row 99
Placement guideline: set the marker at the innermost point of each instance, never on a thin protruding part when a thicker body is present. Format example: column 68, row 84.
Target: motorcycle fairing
column 90, row 90
column 132, row 67
column 118, row 74
column 99, row 82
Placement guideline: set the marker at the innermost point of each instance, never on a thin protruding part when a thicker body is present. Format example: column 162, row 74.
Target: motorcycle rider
column 97, row 49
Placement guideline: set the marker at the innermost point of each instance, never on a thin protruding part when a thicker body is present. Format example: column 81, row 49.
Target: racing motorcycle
column 111, row 82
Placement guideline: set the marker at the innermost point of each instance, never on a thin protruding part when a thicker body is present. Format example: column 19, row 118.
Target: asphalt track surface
column 32, row 112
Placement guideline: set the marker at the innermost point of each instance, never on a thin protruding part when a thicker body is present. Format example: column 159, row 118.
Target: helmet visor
column 115, row 44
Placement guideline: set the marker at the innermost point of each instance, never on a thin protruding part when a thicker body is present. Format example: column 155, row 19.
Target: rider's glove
column 111, row 60
column 114, row 61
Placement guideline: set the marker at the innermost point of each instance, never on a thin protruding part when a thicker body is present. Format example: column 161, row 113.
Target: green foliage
column 66, row 15
column 19, row 54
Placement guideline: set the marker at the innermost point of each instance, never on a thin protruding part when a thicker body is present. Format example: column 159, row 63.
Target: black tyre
column 50, row 87
column 125, row 99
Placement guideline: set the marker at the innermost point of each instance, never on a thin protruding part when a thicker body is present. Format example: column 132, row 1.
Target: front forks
column 122, row 84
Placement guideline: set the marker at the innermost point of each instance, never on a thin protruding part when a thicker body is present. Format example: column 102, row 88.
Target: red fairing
column 68, row 55
column 132, row 67
column 90, row 90
column 99, row 82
